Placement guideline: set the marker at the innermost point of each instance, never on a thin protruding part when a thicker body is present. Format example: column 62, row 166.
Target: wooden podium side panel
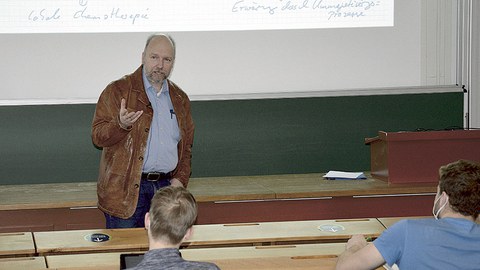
column 419, row 161
column 415, row 157
column 379, row 160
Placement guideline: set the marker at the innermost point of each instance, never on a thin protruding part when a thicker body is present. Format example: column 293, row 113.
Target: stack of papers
column 339, row 175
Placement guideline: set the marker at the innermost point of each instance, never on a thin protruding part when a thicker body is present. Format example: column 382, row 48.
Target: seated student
column 451, row 240
column 172, row 214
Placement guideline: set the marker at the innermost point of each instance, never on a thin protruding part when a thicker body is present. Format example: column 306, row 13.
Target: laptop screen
column 130, row 260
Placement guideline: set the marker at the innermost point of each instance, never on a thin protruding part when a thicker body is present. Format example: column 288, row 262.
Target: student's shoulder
column 416, row 222
column 405, row 225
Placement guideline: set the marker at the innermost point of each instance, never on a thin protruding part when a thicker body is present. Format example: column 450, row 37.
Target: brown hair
column 172, row 212
column 461, row 182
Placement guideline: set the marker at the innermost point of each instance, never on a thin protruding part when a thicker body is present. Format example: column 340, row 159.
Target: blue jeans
column 147, row 190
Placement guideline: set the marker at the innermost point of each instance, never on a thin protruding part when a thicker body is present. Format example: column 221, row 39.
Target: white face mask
column 435, row 214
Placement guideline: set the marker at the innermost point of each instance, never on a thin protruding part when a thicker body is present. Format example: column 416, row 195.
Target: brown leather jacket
column 122, row 156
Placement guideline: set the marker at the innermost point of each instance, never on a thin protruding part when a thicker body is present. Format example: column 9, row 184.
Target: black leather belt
column 156, row 176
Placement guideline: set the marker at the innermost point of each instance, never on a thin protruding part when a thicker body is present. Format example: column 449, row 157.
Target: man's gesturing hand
column 127, row 118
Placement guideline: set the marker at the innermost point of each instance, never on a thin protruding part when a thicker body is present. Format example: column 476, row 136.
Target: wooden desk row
column 239, row 199
column 270, row 245
column 213, row 189
column 303, row 256
column 218, row 235
column 270, row 257
column 17, row 244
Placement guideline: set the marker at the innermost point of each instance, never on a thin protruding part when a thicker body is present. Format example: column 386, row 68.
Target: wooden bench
column 303, row 256
column 16, row 244
column 284, row 232
column 322, row 263
column 22, row 263
column 78, row 241
column 242, row 234
column 292, row 252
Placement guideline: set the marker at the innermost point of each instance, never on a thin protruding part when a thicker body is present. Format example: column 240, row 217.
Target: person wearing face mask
column 144, row 126
column 450, row 240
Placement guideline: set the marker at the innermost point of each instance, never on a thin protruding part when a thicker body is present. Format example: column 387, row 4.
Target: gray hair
column 168, row 37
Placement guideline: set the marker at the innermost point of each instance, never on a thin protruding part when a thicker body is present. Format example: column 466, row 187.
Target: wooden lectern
column 415, row 157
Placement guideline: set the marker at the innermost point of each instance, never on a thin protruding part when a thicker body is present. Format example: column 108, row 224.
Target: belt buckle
column 153, row 176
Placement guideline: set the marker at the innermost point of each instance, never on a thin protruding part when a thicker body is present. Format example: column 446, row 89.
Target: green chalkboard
column 52, row 144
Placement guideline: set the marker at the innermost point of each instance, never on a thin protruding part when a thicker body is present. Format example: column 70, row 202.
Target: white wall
column 475, row 69
column 75, row 68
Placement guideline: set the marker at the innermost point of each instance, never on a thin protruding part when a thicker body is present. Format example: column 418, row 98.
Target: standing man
column 144, row 125
column 450, row 240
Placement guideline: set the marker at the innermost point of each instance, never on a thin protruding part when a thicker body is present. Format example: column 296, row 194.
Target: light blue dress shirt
column 161, row 154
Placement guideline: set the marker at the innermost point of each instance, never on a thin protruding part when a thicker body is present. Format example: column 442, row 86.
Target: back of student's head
column 461, row 182
column 172, row 212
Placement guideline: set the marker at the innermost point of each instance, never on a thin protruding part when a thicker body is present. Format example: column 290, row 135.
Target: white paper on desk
column 344, row 175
